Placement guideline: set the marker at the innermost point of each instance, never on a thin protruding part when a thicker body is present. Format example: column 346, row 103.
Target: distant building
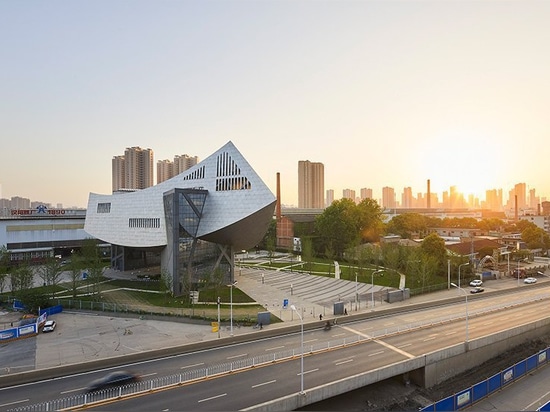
column 330, row 197
column 134, row 170
column 388, row 198
column 311, row 185
column 348, row 194
column 167, row 169
column 366, row 193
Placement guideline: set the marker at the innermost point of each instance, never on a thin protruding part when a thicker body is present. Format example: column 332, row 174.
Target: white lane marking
column 275, row 348
column 451, row 333
column 430, row 338
column 265, row 383
column 212, row 397
column 339, row 334
column 376, row 353
column 311, row 340
column 72, row 390
column 313, row 370
column 346, row 361
column 237, row 356
column 149, row 374
column 387, row 345
column 404, row 345
column 13, row 403
column 192, row 366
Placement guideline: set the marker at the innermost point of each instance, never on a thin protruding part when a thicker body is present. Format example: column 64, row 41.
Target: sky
column 383, row 93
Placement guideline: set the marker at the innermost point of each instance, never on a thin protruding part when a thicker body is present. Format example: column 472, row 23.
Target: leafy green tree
column 92, row 261
column 370, row 220
column 270, row 236
column 33, row 299
column 50, row 273
column 4, row 267
column 307, row 253
column 407, row 224
column 75, row 267
column 534, row 237
column 21, row 278
column 433, row 246
column 338, row 226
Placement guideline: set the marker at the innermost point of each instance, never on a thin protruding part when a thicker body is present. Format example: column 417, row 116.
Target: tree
column 93, row 263
column 307, row 253
column 75, row 267
column 407, row 224
column 433, row 246
column 50, row 273
column 370, row 220
column 534, row 237
column 4, row 267
column 338, row 226
column 21, row 278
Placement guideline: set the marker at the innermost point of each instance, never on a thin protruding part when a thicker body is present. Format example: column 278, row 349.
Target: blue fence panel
column 545, row 407
column 52, row 310
column 463, row 398
column 507, row 376
column 429, row 408
column 447, row 404
column 520, row 369
column 532, row 362
column 494, row 383
column 479, row 390
column 8, row 334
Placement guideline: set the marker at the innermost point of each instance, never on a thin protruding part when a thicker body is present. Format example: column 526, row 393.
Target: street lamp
column 520, row 260
column 459, row 266
column 219, row 326
column 466, row 296
column 302, row 356
column 356, row 296
column 231, row 304
column 372, row 285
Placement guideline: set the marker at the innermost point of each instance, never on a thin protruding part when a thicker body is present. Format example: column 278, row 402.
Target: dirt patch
column 394, row 395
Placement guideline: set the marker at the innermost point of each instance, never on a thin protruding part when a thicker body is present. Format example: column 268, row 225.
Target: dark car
column 111, row 380
column 478, row 289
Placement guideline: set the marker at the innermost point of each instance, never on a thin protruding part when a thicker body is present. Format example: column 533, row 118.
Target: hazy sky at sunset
column 384, row 93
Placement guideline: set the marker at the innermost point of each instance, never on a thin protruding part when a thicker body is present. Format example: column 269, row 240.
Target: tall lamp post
column 520, row 260
column 372, row 285
column 466, row 296
column 459, row 266
column 231, row 286
column 302, row 350
column 219, row 326
column 356, row 296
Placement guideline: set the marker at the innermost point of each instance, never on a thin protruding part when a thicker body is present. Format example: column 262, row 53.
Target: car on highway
column 49, row 326
column 476, row 282
column 530, row 280
column 477, row 289
column 111, row 380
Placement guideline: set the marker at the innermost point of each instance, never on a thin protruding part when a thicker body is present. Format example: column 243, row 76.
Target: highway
column 253, row 386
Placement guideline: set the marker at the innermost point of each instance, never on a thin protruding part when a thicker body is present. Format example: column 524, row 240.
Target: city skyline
column 381, row 93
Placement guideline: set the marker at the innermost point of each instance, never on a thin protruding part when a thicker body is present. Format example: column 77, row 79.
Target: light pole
column 302, row 350
column 356, row 296
column 231, row 304
column 520, row 260
column 219, row 326
column 372, row 286
column 466, row 296
column 459, row 266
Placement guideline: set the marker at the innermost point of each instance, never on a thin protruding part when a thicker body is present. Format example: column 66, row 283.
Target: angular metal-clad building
column 191, row 225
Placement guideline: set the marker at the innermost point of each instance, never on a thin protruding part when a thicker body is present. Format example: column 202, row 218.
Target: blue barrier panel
column 52, row 310
column 447, row 404
column 479, row 390
column 507, row 376
column 494, row 383
column 532, row 362
column 8, row 334
column 545, row 407
column 463, row 399
column 520, row 369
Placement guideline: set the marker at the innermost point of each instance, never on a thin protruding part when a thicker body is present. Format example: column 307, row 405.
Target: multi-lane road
column 253, row 386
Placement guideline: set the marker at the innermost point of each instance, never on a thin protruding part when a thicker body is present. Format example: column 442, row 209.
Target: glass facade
column 192, row 262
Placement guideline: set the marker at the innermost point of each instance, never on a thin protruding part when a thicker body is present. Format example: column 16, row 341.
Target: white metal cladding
column 235, row 192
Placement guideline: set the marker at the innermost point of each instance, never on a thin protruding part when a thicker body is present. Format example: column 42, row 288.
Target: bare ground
column 394, row 395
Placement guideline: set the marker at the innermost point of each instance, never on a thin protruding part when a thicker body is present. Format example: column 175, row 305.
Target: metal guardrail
column 189, row 376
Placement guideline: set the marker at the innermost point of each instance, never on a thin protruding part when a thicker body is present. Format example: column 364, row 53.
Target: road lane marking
column 339, row 334
column 212, row 397
column 430, row 338
column 149, row 374
column 311, row 340
column 313, row 370
column 376, row 353
column 237, row 356
column 192, row 366
column 275, row 348
column 404, row 345
column 342, row 362
column 264, row 383
column 387, row 345
column 13, row 403
column 451, row 333
column 72, row 390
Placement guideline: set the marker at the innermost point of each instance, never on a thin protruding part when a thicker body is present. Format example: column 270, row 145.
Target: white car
column 476, row 282
column 49, row 326
column 530, row 280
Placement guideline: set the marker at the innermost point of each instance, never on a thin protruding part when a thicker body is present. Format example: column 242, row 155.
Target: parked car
column 476, row 282
column 530, row 280
column 49, row 326
column 477, row 289
column 113, row 379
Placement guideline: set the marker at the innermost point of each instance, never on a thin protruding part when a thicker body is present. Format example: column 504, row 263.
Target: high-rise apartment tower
column 311, row 185
column 134, row 170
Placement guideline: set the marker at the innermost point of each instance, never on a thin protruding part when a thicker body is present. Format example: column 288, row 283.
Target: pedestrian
column 261, row 325
column 320, row 316
column 345, row 311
